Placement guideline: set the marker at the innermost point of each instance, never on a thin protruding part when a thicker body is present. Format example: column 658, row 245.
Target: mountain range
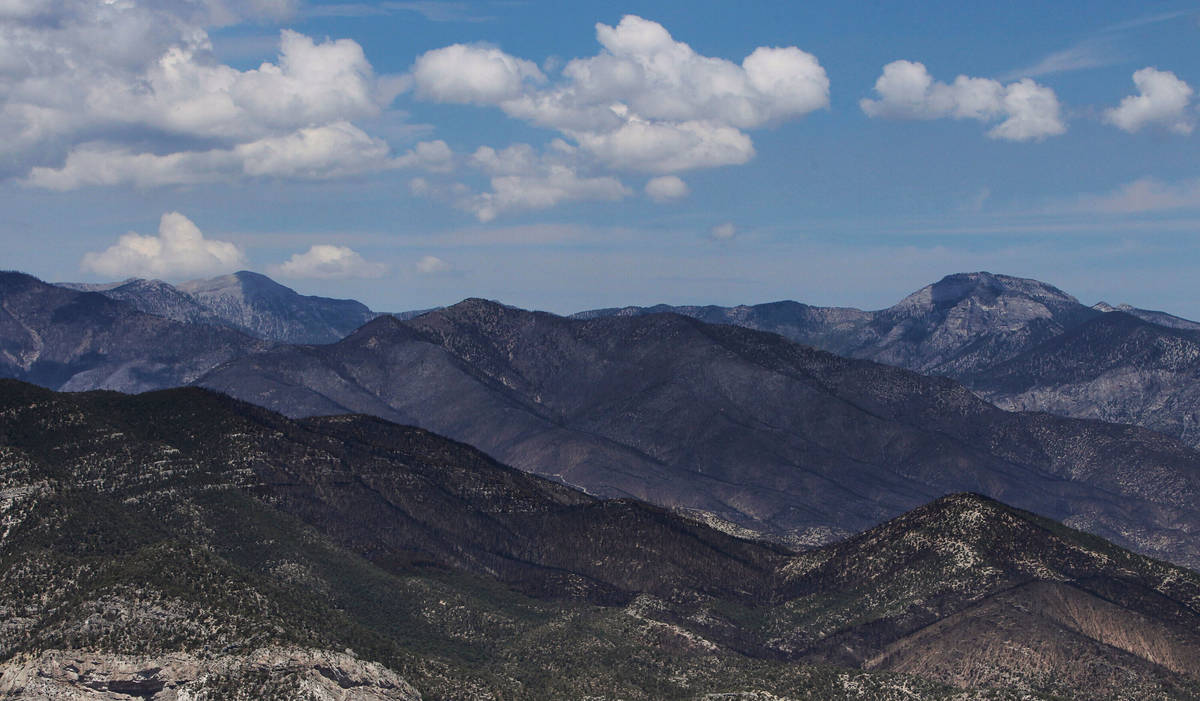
column 1021, row 344
column 182, row 544
column 1006, row 338
column 747, row 426
column 756, row 434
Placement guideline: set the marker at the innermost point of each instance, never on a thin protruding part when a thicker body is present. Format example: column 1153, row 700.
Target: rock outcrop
column 268, row 673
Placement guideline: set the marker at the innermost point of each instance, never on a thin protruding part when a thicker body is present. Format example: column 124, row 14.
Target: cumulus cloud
column 432, row 265
column 1020, row 111
column 521, row 179
column 328, row 262
column 179, row 250
column 723, row 232
column 140, row 81
column 666, row 188
column 330, row 151
column 645, row 102
column 434, row 156
column 1162, row 100
column 472, row 74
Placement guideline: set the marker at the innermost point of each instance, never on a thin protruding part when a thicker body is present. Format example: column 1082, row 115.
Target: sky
column 567, row 156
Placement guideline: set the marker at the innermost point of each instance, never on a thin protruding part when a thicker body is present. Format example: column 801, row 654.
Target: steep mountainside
column 66, row 339
column 1114, row 368
column 252, row 303
column 222, row 551
column 976, row 593
column 755, row 429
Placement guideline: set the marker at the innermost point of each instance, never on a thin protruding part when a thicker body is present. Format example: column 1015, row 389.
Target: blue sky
column 564, row 156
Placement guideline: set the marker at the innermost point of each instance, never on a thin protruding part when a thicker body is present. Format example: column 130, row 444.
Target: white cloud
column 646, row 102
column 546, row 188
column 1024, row 110
column 723, row 232
column 472, row 74
column 1092, row 53
column 1146, row 195
column 1162, row 100
column 523, row 179
column 330, row 151
column 432, row 10
column 666, row 188
column 139, row 79
column 186, row 93
column 432, row 265
column 328, row 262
column 179, row 250
column 434, row 156
column 662, row 147
column 438, row 10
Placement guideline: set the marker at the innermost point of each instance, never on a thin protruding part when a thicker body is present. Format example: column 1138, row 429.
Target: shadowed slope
column 749, row 426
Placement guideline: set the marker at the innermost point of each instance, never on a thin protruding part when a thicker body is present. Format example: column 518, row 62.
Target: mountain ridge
column 247, row 301
column 765, row 433
column 973, row 327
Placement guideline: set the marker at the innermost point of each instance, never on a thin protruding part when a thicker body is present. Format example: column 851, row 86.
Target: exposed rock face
column 966, row 322
column 269, row 673
column 71, row 340
column 252, row 303
column 762, row 432
column 263, row 307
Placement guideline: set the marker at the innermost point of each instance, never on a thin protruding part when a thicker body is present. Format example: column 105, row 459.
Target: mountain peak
column 986, row 288
column 241, row 283
column 473, row 311
column 474, row 304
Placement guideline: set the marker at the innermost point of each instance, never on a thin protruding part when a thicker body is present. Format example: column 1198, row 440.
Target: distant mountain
column 249, row 302
column 1019, row 343
column 71, row 340
column 762, row 432
column 184, row 543
column 154, row 297
column 953, row 327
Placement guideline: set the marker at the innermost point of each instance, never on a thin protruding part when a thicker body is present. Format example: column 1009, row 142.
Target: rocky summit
column 181, row 544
